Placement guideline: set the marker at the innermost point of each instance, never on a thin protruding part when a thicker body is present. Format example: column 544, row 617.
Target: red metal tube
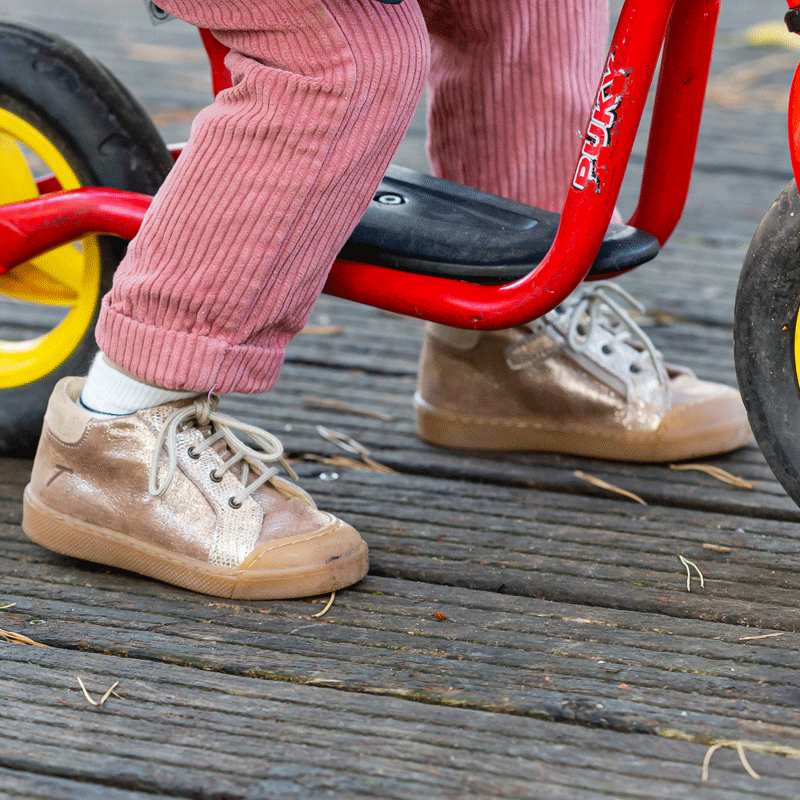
column 35, row 226
column 794, row 123
column 216, row 51
column 590, row 203
column 32, row 227
column 47, row 184
column 676, row 117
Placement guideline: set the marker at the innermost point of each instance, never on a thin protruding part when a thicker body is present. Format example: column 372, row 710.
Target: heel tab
column 64, row 417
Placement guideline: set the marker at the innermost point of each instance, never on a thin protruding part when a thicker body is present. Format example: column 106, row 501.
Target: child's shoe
column 584, row 379
column 208, row 512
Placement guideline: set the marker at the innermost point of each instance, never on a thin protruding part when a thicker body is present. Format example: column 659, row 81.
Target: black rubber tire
column 107, row 139
column 767, row 303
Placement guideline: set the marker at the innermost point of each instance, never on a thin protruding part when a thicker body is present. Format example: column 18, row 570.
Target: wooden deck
column 521, row 634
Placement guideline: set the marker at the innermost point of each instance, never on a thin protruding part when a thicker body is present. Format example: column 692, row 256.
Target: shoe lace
column 602, row 305
column 202, row 413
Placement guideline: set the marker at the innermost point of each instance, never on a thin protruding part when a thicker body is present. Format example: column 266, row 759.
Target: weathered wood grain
column 451, row 517
column 522, row 634
column 396, row 444
column 260, row 739
column 566, row 547
column 521, row 525
column 385, row 638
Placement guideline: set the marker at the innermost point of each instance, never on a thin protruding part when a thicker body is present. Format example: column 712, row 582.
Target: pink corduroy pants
column 279, row 169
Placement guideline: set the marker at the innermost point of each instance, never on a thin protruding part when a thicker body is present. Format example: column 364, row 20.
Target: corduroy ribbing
column 510, row 89
column 237, row 245
column 279, row 169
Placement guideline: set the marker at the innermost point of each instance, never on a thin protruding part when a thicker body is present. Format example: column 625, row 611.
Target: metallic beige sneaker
column 173, row 492
column 584, row 379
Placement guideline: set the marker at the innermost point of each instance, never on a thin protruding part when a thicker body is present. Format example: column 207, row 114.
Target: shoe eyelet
column 192, row 454
column 233, row 504
column 607, row 349
column 214, row 476
column 635, row 368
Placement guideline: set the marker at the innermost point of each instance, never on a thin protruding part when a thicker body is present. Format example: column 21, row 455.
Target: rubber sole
column 462, row 432
column 79, row 539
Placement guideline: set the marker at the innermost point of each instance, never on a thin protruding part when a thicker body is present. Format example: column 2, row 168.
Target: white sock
column 111, row 393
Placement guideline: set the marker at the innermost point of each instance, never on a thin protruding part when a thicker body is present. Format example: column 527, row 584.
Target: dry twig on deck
column 707, row 760
column 739, row 747
column 718, row 473
column 10, row 605
column 18, row 638
column 309, row 401
column 717, row 548
column 322, row 330
column 686, row 563
column 325, row 610
column 350, row 445
column 337, row 461
column 745, row 763
column 609, row 486
column 763, row 636
column 103, row 699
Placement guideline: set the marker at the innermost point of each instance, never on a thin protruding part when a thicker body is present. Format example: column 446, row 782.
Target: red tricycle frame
column 685, row 29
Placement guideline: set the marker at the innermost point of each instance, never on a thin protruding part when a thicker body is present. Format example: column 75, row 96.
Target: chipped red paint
column 601, row 124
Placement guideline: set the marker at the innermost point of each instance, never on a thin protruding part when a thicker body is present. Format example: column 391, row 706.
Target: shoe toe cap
column 301, row 566
column 709, row 418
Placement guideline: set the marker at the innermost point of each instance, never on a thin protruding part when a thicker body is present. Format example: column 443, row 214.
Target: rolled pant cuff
column 187, row 361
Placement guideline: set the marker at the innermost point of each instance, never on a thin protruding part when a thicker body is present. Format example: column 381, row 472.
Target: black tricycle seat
column 421, row 224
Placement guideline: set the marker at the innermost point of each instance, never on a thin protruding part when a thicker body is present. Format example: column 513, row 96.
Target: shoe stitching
column 72, row 445
column 236, row 532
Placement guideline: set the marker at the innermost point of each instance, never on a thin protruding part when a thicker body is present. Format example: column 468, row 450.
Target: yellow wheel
column 57, row 290
column 65, row 122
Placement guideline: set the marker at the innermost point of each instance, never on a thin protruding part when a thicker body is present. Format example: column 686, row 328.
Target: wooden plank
column 500, row 584
column 481, row 655
column 385, row 349
column 188, row 733
column 373, row 362
column 30, row 785
column 560, row 538
column 395, row 444
column 388, row 345
column 691, row 280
